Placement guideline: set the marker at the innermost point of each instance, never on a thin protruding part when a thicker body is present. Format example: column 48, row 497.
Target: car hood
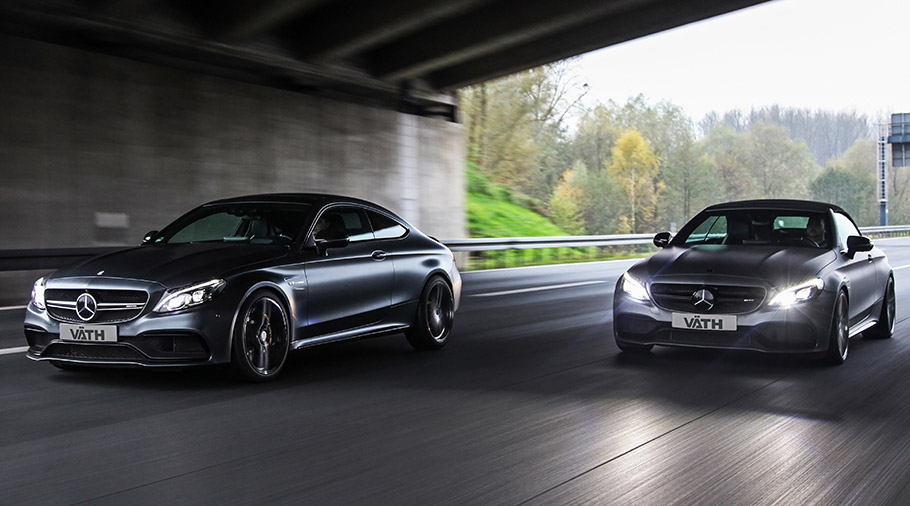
column 174, row 264
column 774, row 266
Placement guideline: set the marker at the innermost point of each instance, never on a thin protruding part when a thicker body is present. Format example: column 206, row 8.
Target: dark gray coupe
column 243, row 281
column 780, row 276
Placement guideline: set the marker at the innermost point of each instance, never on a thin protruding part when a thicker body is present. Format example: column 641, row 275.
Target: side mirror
column 330, row 239
column 147, row 238
column 662, row 240
column 856, row 243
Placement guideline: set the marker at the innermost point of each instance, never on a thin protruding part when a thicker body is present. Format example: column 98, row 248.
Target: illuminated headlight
column 38, row 293
column 182, row 298
column 794, row 294
column 634, row 288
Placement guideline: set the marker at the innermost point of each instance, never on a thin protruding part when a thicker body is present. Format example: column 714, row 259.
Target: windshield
column 780, row 228
column 252, row 223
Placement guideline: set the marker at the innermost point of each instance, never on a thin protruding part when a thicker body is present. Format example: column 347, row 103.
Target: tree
column 838, row 186
column 515, row 126
column 595, row 136
column 857, row 167
column 566, row 202
column 691, row 183
column 828, row 134
column 781, row 166
column 635, row 169
column 727, row 152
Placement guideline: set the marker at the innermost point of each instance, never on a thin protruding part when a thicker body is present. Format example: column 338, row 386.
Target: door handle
column 869, row 258
column 379, row 255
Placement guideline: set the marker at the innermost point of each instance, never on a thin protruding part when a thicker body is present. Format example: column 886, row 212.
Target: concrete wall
column 98, row 150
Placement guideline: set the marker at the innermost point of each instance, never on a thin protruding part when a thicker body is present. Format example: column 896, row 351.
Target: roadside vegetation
column 495, row 211
column 642, row 167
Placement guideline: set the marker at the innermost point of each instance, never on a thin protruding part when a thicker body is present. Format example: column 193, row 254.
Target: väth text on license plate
column 719, row 322
column 88, row 333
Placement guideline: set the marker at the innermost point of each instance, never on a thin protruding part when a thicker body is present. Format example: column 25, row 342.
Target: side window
column 385, row 227
column 845, row 228
column 350, row 221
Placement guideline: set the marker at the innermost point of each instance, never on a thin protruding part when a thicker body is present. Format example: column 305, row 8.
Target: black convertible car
column 766, row 275
column 243, row 281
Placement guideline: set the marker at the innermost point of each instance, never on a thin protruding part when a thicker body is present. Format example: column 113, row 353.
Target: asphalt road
column 530, row 403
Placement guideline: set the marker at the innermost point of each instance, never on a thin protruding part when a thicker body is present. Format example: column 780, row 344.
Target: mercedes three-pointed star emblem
column 703, row 299
column 86, row 307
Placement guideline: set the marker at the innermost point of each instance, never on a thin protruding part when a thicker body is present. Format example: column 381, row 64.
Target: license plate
column 88, row 333
column 714, row 322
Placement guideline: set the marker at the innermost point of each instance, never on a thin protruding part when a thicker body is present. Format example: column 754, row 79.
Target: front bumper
column 801, row 328
column 198, row 336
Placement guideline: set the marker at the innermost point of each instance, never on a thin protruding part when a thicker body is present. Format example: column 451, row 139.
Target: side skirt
column 866, row 324
column 369, row 330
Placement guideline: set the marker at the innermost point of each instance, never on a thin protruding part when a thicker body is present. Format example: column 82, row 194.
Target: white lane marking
column 10, row 351
column 900, row 267
column 537, row 288
column 12, row 308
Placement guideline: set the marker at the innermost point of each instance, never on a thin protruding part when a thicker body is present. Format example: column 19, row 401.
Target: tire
column 435, row 316
column 839, row 337
column 633, row 348
column 885, row 326
column 261, row 339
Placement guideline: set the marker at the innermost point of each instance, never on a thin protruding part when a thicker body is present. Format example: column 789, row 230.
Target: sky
column 837, row 55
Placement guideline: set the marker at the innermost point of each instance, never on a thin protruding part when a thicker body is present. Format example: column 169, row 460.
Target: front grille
column 727, row 299
column 112, row 352
column 114, row 306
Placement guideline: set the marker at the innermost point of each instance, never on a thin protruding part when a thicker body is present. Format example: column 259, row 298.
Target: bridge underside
column 406, row 54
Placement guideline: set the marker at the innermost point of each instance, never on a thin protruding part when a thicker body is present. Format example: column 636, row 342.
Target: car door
column 859, row 270
column 348, row 286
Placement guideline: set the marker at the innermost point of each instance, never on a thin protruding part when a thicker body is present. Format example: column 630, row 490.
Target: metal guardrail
column 35, row 259
column 885, row 231
column 488, row 244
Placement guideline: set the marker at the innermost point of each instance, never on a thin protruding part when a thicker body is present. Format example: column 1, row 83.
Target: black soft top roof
column 775, row 205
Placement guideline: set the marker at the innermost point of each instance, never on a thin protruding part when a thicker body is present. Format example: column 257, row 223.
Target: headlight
column 798, row 293
column 38, row 293
column 634, row 288
column 182, row 298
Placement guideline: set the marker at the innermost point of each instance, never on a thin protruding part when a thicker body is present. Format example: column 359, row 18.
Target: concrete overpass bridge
column 121, row 114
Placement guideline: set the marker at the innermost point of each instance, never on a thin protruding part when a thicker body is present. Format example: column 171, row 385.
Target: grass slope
column 490, row 217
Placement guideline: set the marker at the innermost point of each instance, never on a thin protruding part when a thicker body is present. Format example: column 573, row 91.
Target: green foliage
column 782, row 167
column 597, row 179
column 477, row 183
column 491, row 212
column 515, row 127
column 839, row 186
column 827, row 134
column 564, row 206
column 850, row 183
column 489, row 217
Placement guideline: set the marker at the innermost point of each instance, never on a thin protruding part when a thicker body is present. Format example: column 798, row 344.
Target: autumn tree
column 565, row 205
column 634, row 170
